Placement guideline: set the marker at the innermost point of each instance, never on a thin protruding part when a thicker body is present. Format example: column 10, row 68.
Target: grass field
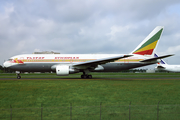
column 83, row 96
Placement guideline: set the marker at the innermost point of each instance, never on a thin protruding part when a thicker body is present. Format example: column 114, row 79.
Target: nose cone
column 6, row 64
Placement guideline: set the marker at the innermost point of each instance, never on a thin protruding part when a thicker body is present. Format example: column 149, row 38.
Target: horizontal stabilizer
column 162, row 62
column 157, row 58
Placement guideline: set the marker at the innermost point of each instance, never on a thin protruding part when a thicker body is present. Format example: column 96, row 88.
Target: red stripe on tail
column 146, row 52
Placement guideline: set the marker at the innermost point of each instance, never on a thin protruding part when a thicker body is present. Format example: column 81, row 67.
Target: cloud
column 174, row 49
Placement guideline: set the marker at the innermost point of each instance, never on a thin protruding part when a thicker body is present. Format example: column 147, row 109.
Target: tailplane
column 148, row 45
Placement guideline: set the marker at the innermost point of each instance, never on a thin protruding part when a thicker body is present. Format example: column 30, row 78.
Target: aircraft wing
column 94, row 63
column 156, row 58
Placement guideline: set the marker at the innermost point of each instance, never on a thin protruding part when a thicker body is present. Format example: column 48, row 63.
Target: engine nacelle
column 99, row 68
column 62, row 70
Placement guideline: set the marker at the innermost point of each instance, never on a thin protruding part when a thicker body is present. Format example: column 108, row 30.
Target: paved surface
column 94, row 78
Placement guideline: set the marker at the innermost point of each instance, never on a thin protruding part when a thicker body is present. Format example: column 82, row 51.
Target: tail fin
column 162, row 62
column 148, row 45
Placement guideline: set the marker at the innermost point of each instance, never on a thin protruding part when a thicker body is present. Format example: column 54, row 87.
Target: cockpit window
column 10, row 59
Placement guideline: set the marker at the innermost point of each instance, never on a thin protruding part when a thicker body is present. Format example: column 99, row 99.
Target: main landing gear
column 86, row 76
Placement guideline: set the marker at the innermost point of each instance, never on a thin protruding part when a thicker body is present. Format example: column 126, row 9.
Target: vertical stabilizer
column 149, row 44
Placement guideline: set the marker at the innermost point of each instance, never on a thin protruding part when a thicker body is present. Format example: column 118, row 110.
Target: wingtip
column 171, row 54
column 128, row 55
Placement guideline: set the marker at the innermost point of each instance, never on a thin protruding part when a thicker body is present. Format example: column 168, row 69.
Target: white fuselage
column 170, row 68
column 45, row 62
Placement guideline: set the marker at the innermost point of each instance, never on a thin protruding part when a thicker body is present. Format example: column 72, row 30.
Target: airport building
column 46, row 52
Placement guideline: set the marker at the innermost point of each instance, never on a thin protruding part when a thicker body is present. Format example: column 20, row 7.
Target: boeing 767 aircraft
column 65, row 64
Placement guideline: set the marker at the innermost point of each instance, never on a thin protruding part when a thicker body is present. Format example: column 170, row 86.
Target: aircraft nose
column 6, row 64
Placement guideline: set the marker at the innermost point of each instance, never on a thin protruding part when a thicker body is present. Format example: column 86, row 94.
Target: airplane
column 162, row 65
column 65, row 64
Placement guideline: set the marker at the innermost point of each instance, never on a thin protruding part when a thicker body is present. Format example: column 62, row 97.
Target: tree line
column 5, row 70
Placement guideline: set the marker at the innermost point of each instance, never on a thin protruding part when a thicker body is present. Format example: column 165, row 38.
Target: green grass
column 85, row 95
column 95, row 75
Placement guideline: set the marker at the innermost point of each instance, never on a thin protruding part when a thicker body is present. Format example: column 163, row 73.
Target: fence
column 101, row 112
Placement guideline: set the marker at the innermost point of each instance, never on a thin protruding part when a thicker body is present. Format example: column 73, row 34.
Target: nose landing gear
column 18, row 74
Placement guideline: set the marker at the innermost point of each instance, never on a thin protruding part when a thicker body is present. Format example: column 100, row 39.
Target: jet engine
column 64, row 70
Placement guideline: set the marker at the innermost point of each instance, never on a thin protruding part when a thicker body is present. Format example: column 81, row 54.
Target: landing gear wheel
column 18, row 77
column 83, row 76
column 86, row 76
column 89, row 76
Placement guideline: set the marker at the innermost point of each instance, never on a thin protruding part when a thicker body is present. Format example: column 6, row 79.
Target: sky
column 87, row 26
